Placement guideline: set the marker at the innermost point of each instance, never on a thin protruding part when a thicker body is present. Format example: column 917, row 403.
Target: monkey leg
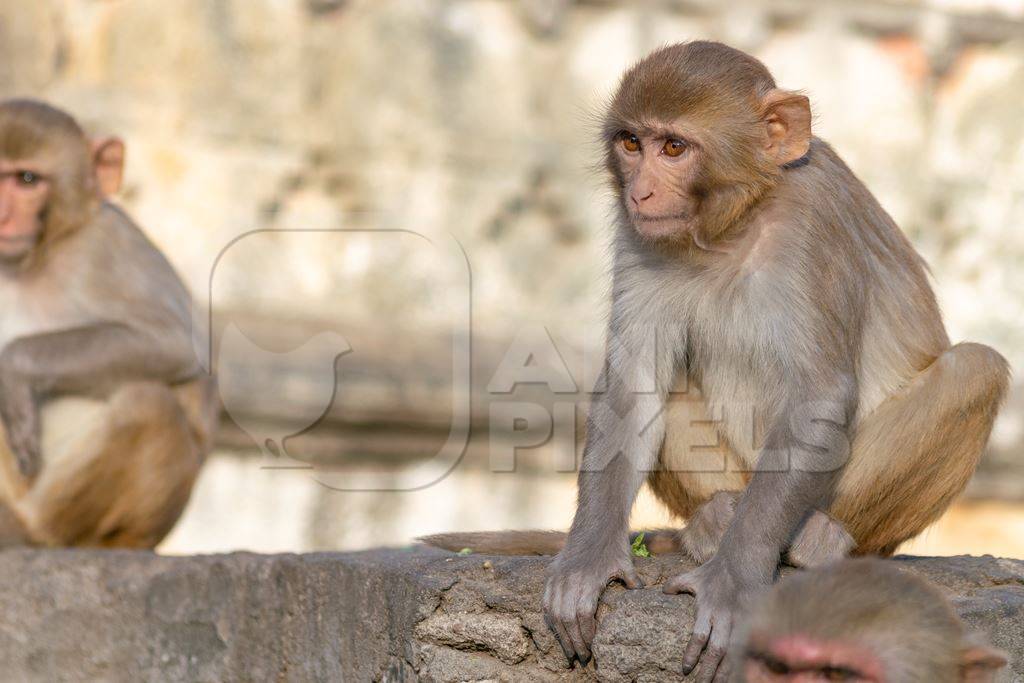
column 116, row 473
column 704, row 530
column 702, row 478
column 819, row 540
column 13, row 531
column 917, row 450
column 695, row 461
column 909, row 458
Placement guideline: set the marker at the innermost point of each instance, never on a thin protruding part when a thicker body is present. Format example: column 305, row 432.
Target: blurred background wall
column 333, row 175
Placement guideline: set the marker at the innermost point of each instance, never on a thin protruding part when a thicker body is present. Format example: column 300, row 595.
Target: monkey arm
column 91, row 360
column 625, row 431
column 797, row 469
column 805, row 449
column 95, row 359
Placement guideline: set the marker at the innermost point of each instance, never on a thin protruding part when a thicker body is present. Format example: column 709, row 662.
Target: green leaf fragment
column 639, row 549
column 465, row 551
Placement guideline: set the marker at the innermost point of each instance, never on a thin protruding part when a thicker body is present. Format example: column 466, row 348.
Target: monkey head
column 696, row 133
column 51, row 176
column 860, row 620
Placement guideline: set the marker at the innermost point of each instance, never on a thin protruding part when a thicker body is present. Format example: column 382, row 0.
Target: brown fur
column 119, row 413
column 846, row 282
column 781, row 294
column 124, row 479
column 888, row 620
column 30, row 129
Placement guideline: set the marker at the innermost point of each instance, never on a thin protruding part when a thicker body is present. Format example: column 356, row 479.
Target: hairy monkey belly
column 68, row 425
column 709, row 447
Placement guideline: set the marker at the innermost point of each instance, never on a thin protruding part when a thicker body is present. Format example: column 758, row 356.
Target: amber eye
column 630, row 142
column 674, row 148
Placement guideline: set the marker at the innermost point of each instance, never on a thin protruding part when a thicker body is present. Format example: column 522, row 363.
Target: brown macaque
column 107, row 414
column 761, row 294
column 861, row 621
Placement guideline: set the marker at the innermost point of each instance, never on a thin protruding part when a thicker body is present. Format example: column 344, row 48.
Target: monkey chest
column 731, row 370
column 27, row 309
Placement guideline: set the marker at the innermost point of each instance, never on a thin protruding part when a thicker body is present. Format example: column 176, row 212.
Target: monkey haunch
column 858, row 620
column 755, row 271
column 106, row 413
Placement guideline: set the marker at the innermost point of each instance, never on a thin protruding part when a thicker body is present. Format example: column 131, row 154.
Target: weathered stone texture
column 396, row 615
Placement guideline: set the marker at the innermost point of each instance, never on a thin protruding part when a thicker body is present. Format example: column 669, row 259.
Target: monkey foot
column 821, row 540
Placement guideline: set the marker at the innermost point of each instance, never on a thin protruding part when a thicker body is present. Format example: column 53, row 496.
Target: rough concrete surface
column 390, row 615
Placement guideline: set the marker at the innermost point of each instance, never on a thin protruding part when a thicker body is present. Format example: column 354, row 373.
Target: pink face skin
column 802, row 659
column 24, row 191
column 659, row 166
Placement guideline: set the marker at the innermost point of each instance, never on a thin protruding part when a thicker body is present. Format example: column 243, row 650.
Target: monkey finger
column 712, row 662
column 552, row 611
column 28, row 466
column 680, row 583
column 698, row 639
column 578, row 645
column 710, row 665
column 575, row 605
column 629, row 578
column 724, row 671
column 586, row 619
column 561, row 637
column 26, row 453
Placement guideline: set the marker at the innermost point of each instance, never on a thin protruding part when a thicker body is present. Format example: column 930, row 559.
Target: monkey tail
column 535, row 542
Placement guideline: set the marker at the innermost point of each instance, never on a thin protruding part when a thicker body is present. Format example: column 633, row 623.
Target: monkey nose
column 640, row 197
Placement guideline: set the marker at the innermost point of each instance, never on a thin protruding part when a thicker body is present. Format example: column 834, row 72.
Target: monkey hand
column 19, row 411
column 720, row 595
column 574, row 585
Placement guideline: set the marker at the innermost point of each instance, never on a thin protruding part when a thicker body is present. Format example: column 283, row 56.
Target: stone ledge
column 419, row 614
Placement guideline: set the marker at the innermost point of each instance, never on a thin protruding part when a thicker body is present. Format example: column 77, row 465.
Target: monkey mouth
column 665, row 227
column 641, row 218
column 8, row 241
column 13, row 247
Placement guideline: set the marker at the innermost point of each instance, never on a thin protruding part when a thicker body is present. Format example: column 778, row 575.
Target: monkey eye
column 838, row 673
column 26, row 178
column 674, row 147
column 630, row 142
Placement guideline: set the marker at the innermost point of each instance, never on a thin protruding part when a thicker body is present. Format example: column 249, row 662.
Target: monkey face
column 696, row 134
column 657, row 167
column 803, row 659
column 24, row 193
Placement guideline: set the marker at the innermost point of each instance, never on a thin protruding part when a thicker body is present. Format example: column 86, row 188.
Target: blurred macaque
column 107, row 414
column 858, row 621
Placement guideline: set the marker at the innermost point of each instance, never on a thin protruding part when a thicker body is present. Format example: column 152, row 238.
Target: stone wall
column 384, row 615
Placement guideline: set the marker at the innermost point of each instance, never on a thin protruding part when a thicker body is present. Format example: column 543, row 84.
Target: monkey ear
column 787, row 118
column 979, row 663
column 108, row 164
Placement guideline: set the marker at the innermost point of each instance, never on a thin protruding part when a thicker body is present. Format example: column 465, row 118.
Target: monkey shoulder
column 135, row 283
column 129, row 251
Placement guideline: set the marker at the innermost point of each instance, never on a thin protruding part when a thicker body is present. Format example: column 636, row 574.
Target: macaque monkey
column 860, row 621
column 760, row 294
column 107, row 414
